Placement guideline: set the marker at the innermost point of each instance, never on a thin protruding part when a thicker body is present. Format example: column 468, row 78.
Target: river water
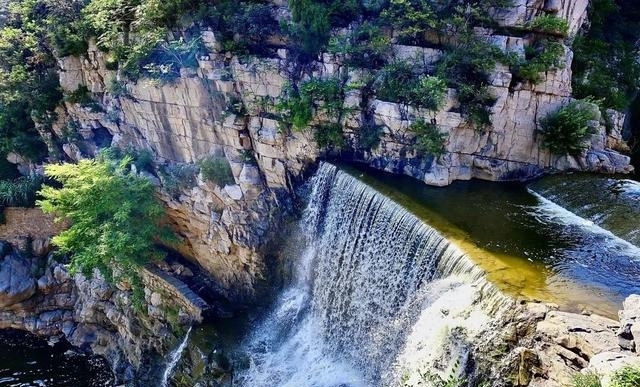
column 28, row 361
column 381, row 255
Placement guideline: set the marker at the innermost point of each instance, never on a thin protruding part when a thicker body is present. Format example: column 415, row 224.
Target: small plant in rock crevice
column 627, row 376
column 589, row 379
column 429, row 139
column 217, row 170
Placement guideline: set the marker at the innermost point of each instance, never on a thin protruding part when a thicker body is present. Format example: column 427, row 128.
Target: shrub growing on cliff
column 114, row 217
column 398, row 82
column 589, row 379
column 217, row 170
column 545, row 55
column 411, row 19
column 429, row 139
column 178, row 177
column 364, row 46
column 329, row 135
column 324, row 96
column 567, row 130
column 550, row 24
column 605, row 64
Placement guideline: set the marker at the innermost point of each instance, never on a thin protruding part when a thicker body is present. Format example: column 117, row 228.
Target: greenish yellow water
column 528, row 247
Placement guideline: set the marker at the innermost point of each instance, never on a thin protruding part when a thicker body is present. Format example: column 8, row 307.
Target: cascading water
column 174, row 358
column 375, row 296
column 613, row 204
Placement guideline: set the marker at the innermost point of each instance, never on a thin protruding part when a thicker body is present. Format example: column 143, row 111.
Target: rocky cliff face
column 39, row 295
column 226, row 107
column 548, row 347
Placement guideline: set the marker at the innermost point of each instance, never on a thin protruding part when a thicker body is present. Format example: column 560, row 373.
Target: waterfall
column 174, row 358
column 375, row 299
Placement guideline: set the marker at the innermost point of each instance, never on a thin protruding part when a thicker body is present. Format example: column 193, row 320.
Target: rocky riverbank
column 551, row 345
column 39, row 295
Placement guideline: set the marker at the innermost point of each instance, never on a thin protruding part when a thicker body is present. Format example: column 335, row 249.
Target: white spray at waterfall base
column 174, row 358
column 377, row 297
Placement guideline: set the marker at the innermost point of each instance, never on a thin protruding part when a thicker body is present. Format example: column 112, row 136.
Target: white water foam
column 370, row 278
column 548, row 211
column 174, row 358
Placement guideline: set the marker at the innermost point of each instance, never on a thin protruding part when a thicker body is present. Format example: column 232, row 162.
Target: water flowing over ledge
column 378, row 298
column 174, row 358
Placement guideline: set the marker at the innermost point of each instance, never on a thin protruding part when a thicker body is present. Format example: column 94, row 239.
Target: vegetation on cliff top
column 151, row 38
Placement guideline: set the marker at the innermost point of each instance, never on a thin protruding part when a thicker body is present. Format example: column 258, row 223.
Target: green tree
column 567, row 130
column 114, row 217
column 411, row 19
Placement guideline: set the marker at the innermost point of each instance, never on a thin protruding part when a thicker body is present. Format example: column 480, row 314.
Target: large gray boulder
column 16, row 282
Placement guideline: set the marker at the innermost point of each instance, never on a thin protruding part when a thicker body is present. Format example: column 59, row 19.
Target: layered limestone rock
column 548, row 347
column 39, row 295
column 226, row 107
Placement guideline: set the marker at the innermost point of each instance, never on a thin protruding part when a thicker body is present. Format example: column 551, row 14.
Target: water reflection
column 29, row 361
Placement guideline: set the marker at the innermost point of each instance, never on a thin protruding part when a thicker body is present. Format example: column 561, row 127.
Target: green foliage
column 178, row 177
column 20, row 192
column 141, row 158
column 429, row 139
column 323, row 96
column 296, row 110
column 217, row 170
column 605, row 62
column 114, row 217
column 467, row 67
column 550, row 25
column 165, row 61
column 369, row 136
column 429, row 92
column 329, row 135
column 545, row 55
column 310, row 29
column 411, row 19
column 590, row 379
column 365, row 46
column 566, row 130
column 135, row 33
column 433, row 379
column 80, row 95
column 398, row 82
column 29, row 87
column 392, row 81
column 117, row 88
column 255, row 23
column 626, row 377
column 312, row 22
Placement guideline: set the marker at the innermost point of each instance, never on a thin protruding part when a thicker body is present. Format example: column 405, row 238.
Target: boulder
column 16, row 282
column 607, row 363
column 629, row 332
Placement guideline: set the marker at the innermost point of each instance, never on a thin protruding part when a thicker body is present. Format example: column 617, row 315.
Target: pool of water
column 29, row 361
column 530, row 246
